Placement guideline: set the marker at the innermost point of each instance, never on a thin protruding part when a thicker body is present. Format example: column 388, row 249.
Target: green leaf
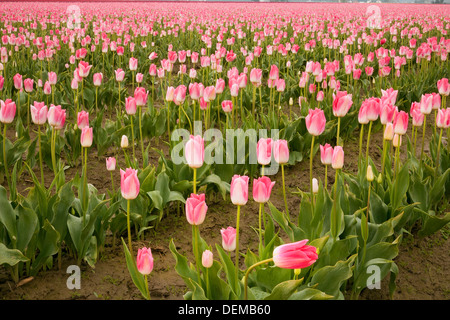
column 310, row 294
column 229, row 269
column 11, row 256
column 284, row 290
column 157, row 199
column 181, row 266
column 26, row 227
column 7, row 215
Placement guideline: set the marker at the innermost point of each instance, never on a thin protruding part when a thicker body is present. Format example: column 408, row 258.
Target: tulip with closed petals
column 295, row 255
column 144, row 261
column 262, row 187
column 196, row 209
column 207, row 259
column 315, row 122
column 338, row 158
column 228, row 239
column 86, row 137
column 264, row 151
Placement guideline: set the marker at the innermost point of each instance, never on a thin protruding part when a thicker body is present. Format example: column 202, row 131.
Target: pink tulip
column 417, row 116
column 228, row 239
column 129, row 184
column 220, row 86
column 342, row 103
column 18, row 83
column 207, row 259
column 242, row 80
column 38, row 112
column 315, row 122
column 196, row 209
column 274, row 72
column 388, row 132
column 255, row 76
column 387, row 112
column 120, row 75
column 373, row 108
column 47, row 88
column 182, row 56
column 133, row 64
column 179, row 95
column 390, row 95
column 98, row 78
column 426, row 103
column 295, row 255
column 144, row 261
column 443, row 87
column 401, row 122
column 436, row 101
column 140, row 95
column 86, row 137
column 28, row 85
column 281, row 85
column 82, row 119
column 153, row 56
column 362, row 114
column 152, row 70
column 52, row 78
column 195, row 151
column 262, row 187
column 170, row 93
column 227, row 106
column 192, row 73
column 234, row 90
column 203, row 104
column 264, row 151
column 7, row 111
column 139, row 77
column 209, row 94
column 84, row 69
column 443, row 118
column 130, row 105
column 2, row 82
column 281, row 151
column 239, row 190
column 56, row 117
column 338, row 158
column 110, row 163
column 326, row 154
column 194, row 91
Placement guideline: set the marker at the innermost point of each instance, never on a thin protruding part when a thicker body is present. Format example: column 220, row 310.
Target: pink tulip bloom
column 47, row 88
column 74, row 84
column 234, row 90
column 443, row 87
column 242, row 80
column 133, row 64
column 373, row 108
column 338, row 158
column 228, row 239
column 38, row 112
column 227, row 106
column 426, row 103
column 262, row 187
column 369, row 71
column 2, row 82
column 401, row 122
column 139, row 77
column 342, row 103
column 436, row 101
column 86, row 137
column 443, row 118
column 18, row 83
column 110, row 163
column 152, row 70
column 144, row 261
column 192, row 73
column 153, row 56
column 140, row 95
column 84, row 69
column 129, row 184
column 28, row 85
column 315, row 122
column 7, row 111
column 389, row 94
column 196, row 209
column 203, row 104
column 82, row 119
column 120, row 75
column 255, row 76
column 98, row 78
column 195, row 151
column 56, row 117
column 170, row 93
column 179, row 95
column 295, row 255
column 220, row 86
column 362, row 114
column 387, row 112
column 194, row 91
column 389, row 132
column 264, row 151
column 274, row 72
column 209, row 94
column 52, row 78
column 207, row 259
column 130, row 105
column 281, row 85
column 239, row 190
column 326, row 154
column 280, row 151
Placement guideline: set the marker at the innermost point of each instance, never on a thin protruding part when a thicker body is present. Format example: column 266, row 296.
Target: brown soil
column 422, row 262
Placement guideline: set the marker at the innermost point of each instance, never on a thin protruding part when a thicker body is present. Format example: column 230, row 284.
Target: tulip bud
column 369, row 174
column 397, row 142
column 207, row 259
column 315, row 184
column 124, row 142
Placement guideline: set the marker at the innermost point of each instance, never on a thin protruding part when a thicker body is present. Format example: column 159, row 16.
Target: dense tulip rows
column 116, row 80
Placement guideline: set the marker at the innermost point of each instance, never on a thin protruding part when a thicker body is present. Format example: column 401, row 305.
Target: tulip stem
column 146, row 287
column 326, row 177
column 310, row 170
column 438, row 154
column 360, row 142
column 368, row 143
column 260, row 226
column 112, row 183
column 128, row 227
column 132, row 139
column 248, row 272
column 423, row 138
column 237, row 249
column 53, row 147
column 141, row 136
column 383, row 160
column 284, row 192
column 208, row 295
column 194, row 182
column 338, row 130
column 40, row 155
column 5, row 163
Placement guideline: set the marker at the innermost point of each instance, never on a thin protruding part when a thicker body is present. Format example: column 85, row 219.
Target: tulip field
column 221, row 151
